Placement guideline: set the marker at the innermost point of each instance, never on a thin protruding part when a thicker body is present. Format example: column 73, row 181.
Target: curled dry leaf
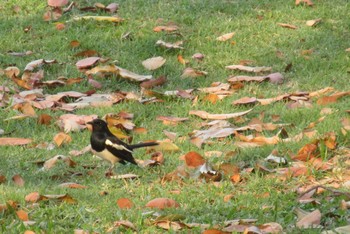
column 131, row 75
column 176, row 45
column 198, row 56
column 50, row 163
column 154, row 82
column 290, row 26
column 191, row 72
column 206, row 115
column 14, row 141
column 18, row 180
column 169, row 28
column 249, row 69
column 153, row 63
column 36, row 63
column 162, row 203
column 225, row 37
column 32, row 197
column 57, row 3
column 122, row 223
column 11, row 72
column 312, row 23
column 194, row 159
column 125, row 203
column 87, row 62
column 310, row 220
column 72, row 185
column 171, row 120
column 59, row 197
column 62, row 138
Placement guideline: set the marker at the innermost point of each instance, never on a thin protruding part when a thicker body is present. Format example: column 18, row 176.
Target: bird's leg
column 109, row 172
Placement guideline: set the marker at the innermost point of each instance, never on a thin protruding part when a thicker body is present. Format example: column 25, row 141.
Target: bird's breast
column 106, row 155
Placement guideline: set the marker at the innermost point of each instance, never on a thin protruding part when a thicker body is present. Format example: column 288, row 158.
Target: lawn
column 308, row 129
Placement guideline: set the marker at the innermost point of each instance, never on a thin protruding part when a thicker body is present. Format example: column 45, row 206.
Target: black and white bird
column 109, row 147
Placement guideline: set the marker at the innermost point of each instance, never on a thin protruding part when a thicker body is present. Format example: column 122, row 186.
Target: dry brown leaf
column 18, row 180
column 248, row 69
column 2, row 179
column 162, row 203
column 191, row 72
column 72, row 185
column 225, row 37
column 171, row 120
column 169, row 28
column 50, row 163
column 198, row 56
column 12, row 72
column 215, row 231
column 194, row 159
column 86, row 53
column 332, row 98
column 153, row 63
column 26, row 108
column 122, row 223
column 290, row 26
column 87, row 62
column 57, row 3
column 14, row 141
column 206, row 115
column 125, row 203
column 154, row 82
column 44, row 119
column 131, row 75
column 245, row 100
column 59, row 197
column 311, row 220
column 62, row 138
column 312, row 23
column 176, row 45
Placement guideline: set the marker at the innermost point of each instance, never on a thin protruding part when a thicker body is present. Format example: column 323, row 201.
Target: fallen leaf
column 312, row 23
column 171, row 120
column 194, row 159
column 225, row 37
column 18, row 180
column 122, row 223
column 153, row 63
column 198, row 56
column 311, row 220
column 215, row 231
column 57, row 3
column 22, row 215
column 245, row 100
column 72, row 185
column 62, row 138
column 154, row 82
column 50, row 163
column 32, row 197
column 86, row 53
column 59, row 197
column 290, row 26
column 14, row 141
column 206, row 115
column 249, row 69
column 191, row 72
column 165, row 145
column 332, row 98
column 2, row 179
column 124, row 203
column 162, row 203
column 169, row 28
column 87, row 62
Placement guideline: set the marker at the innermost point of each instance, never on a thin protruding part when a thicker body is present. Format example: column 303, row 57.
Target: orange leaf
column 72, row 185
column 44, row 119
column 162, row 203
column 194, row 159
column 181, row 59
column 61, row 138
column 124, row 203
column 214, row 231
column 306, row 152
column 22, row 215
column 32, row 197
column 235, row 178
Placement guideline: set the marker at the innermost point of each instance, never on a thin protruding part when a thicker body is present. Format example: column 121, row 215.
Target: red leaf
column 193, row 159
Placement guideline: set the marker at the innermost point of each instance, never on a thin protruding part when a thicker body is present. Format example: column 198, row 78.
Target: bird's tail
column 145, row 144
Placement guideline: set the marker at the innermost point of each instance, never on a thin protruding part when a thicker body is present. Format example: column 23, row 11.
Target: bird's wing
column 119, row 149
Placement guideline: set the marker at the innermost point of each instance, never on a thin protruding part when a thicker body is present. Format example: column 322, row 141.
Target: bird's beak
column 89, row 123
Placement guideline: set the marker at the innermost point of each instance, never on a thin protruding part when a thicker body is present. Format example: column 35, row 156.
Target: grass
column 258, row 38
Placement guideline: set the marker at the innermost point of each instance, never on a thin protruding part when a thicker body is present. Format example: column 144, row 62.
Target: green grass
column 200, row 22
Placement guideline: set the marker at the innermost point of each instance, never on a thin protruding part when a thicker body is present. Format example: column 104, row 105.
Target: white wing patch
column 116, row 146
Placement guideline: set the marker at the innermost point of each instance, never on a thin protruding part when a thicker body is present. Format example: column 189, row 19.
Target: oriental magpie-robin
column 108, row 147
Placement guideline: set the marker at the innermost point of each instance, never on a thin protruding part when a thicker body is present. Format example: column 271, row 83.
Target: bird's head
column 98, row 125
